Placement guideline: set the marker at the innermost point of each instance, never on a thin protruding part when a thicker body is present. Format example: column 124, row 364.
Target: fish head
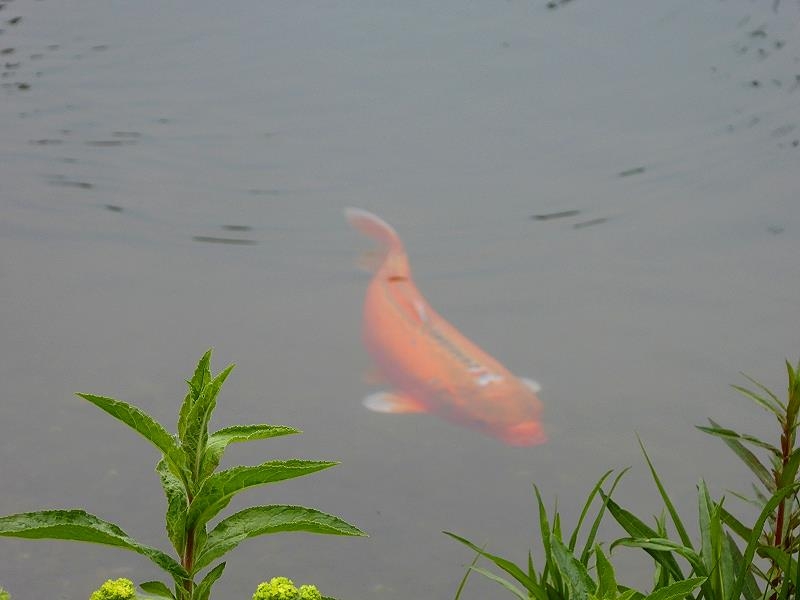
column 526, row 433
column 509, row 410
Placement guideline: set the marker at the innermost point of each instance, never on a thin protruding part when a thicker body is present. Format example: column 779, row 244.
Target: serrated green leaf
column 157, row 588
column 219, row 441
column 145, row 425
column 202, row 374
column 196, row 429
column 606, row 581
column 573, row 572
column 677, row 590
column 263, row 520
column 750, row 460
column 80, row 526
column 177, row 506
column 203, row 589
column 217, row 490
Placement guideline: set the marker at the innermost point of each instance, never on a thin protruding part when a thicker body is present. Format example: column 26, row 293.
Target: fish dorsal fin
column 531, row 384
column 388, row 402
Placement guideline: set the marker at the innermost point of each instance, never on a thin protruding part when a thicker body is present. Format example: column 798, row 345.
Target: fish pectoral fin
column 531, row 384
column 388, row 402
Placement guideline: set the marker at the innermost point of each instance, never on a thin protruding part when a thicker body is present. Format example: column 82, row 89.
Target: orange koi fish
column 430, row 366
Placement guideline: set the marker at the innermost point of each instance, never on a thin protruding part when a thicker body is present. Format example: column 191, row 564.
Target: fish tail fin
column 393, row 253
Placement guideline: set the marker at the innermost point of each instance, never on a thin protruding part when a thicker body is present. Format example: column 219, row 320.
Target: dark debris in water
column 634, row 171
column 555, row 215
column 775, row 229
column 237, row 227
column 220, row 240
column 113, row 208
column 590, row 223
column 109, row 143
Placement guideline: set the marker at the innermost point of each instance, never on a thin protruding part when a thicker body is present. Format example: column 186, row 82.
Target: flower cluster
column 282, row 588
column 115, row 589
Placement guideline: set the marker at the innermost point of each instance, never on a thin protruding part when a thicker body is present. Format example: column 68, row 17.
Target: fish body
column 430, row 366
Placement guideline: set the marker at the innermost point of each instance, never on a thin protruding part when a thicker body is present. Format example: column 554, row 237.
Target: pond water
column 173, row 177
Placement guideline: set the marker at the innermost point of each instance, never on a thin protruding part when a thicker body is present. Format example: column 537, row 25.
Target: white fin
column 533, row 385
column 387, row 402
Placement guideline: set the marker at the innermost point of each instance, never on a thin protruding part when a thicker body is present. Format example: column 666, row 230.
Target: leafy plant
column 195, row 492
column 4, row 595
column 730, row 572
column 776, row 488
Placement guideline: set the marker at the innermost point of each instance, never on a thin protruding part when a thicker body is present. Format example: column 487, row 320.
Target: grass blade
column 574, row 537
column 750, row 460
column 502, row 563
column 666, row 499
column 469, row 570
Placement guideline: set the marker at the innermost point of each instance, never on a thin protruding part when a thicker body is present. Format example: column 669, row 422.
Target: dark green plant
column 776, row 476
column 195, row 491
column 567, row 571
column 729, row 571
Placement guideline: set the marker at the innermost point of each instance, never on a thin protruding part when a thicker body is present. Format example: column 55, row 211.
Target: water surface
column 172, row 177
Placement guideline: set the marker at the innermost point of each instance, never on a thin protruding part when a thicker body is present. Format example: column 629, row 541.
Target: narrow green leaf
column 464, row 579
column 750, row 460
column 704, row 511
column 677, row 590
column 772, row 403
column 721, row 432
column 606, row 581
column 544, row 529
column 638, row 529
column 631, row 594
column 789, row 471
column 599, row 517
column 157, row 588
column 676, row 520
column 203, row 590
column 177, row 506
column 573, row 572
column 750, row 589
column 584, row 511
column 219, row 441
column 753, row 543
column 263, row 520
column 504, row 564
column 216, row 492
column 145, row 425
column 80, row 526
column 506, row 584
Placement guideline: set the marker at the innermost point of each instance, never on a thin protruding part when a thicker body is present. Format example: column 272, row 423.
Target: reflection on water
column 430, row 365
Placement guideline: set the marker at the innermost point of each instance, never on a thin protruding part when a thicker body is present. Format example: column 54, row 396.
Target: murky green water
column 172, row 177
